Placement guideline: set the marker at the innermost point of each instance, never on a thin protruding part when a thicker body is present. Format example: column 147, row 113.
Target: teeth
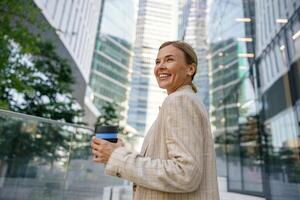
column 163, row 75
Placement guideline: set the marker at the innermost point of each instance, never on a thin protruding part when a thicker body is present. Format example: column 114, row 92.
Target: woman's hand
column 102, row 149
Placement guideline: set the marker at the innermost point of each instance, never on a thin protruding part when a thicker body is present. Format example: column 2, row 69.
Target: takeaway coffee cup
column 109, row 133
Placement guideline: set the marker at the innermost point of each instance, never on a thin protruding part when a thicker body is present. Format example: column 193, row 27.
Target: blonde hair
column 189, row 54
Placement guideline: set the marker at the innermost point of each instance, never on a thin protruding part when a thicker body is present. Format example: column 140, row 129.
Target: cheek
column 178, row 72
column 155, row 70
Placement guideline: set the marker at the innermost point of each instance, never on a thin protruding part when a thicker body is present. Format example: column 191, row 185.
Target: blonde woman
column 177, row 160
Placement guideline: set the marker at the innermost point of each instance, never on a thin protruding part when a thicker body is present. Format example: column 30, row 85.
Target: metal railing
column 41, row 119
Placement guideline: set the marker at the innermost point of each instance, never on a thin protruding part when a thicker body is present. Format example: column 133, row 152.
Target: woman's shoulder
column 182, row 98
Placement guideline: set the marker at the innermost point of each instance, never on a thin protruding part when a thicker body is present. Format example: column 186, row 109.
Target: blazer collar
column 185, row 88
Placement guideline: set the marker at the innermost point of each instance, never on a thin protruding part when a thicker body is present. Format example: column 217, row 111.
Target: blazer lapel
column 144, row 147
column 147, row 139
column 145, row 143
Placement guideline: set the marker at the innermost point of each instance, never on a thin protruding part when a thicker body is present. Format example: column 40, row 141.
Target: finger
column 95, row 153
column 96, row 140
column 98, row 159
column 100, row 141
column 92, row 143
column 94, row 146
column 103, row 141
column 97, row 147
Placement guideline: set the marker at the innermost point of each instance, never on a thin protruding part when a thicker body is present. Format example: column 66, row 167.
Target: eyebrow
column 167, row 56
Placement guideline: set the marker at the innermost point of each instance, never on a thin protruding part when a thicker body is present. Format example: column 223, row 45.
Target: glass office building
column 73, row 31
column 156, row 23
column 254, row 81
column 231, row 52
column 109, row 79
column 278, row 67
column 192, row 29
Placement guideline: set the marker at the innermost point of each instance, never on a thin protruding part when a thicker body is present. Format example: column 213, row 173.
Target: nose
column 161, row 65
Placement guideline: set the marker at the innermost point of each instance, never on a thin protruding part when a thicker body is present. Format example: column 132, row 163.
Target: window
column 296, row 37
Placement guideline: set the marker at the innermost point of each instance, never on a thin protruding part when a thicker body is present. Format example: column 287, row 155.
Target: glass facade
column 45, row 159
column 110, row 77
column 278, row 64
column 192, row 29
column 254, row 88
column 231, row 90
column 72, row 29
column 156, row 23
column 76, row 26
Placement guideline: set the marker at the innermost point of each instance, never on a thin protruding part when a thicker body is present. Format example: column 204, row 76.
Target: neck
column 180, row 86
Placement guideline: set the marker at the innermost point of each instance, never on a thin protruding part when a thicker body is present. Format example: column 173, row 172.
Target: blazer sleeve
column 182, row 171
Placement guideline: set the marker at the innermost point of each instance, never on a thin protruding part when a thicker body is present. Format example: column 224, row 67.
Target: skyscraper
column 109, row 78
column 278, row 67
column 192, row 29
column 75, row 25
column 156, row 23
column 254, row 65
column 232, row 101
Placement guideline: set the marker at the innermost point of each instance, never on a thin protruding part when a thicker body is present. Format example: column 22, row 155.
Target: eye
column 157, row 62
column 169, row 59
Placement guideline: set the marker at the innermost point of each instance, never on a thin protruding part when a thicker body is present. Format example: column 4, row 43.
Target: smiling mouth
column 164, row 76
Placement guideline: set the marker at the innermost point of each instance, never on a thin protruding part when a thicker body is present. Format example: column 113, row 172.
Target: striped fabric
column 177, row 160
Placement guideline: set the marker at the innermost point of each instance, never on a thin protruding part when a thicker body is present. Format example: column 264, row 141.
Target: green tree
column 34, row 80
column 109, row 116
column 15, row 15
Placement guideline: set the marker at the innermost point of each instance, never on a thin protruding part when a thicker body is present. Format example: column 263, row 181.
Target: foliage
column 34, row 80
column 110, row 116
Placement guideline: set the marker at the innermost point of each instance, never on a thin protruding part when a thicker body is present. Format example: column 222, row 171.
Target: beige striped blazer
column 177, row 160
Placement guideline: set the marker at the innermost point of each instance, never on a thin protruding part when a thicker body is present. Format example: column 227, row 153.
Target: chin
column 163, row 86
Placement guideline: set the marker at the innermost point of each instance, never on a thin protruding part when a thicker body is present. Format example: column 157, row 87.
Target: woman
column 177, row 160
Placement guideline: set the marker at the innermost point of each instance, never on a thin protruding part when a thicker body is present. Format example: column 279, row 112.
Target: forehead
column 169, row 50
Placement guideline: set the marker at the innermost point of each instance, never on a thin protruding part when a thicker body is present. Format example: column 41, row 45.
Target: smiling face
column 171, row 69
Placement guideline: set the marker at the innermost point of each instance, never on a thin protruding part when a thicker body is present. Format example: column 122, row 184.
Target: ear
column 191, row 69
